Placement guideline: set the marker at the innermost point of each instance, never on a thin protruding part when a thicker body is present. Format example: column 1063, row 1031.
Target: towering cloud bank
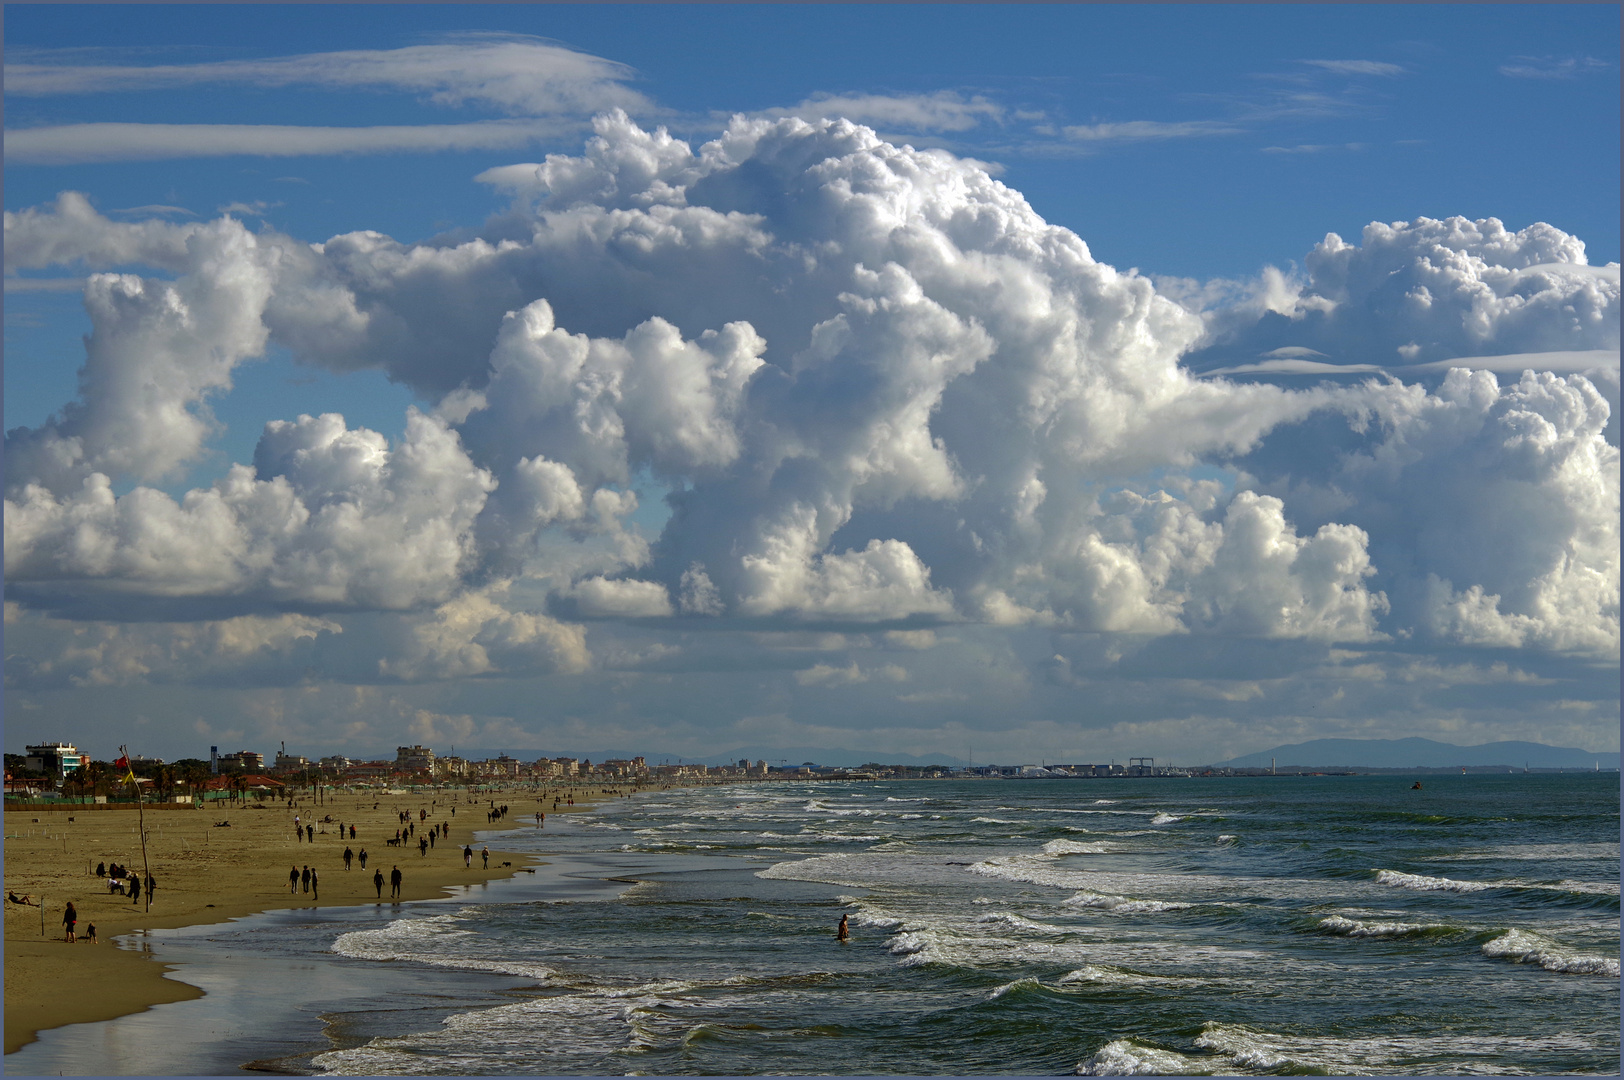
column 877, row 387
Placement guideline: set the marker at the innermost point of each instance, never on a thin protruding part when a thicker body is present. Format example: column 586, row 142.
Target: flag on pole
column 122, row 762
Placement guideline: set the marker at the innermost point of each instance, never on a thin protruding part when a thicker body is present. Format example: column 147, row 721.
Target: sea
column 1335, row 925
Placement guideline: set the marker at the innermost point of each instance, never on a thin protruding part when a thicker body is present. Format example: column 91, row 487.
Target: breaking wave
column 1524, row 947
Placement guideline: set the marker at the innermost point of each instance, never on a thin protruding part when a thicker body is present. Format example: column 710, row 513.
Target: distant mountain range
column 1415, row 753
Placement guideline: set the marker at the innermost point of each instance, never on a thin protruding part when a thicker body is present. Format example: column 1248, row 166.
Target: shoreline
column 208, row 875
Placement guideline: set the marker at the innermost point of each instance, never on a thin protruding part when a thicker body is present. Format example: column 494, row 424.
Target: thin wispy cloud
column 1356, row 67
column 1314, row 148
column 1551, row 67
column 520, row 76
column 943, row 111
column 257, row 208
column 88, row 143
column 156, row 209
column 1149, row 130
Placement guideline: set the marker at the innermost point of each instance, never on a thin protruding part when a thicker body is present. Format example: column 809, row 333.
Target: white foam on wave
column 1226, row 839
column 1535, row 853
column 1122, row 904
column 433, row 940
column 1525, row 947
column 995, row 821
column 1057, row 848
column 1018, row 984
column 1260, row 1050
column 1346, row 927
column 1111, row 976
column 1599, row 888
column 1017, row 922
column 581, row 1029
column 1069, row 810
column 1442, row 884
column 1124, row 1057
column 1424, row 883
column 1164, row 819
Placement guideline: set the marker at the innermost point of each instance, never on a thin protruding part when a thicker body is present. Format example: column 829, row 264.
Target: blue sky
column 1210, row 148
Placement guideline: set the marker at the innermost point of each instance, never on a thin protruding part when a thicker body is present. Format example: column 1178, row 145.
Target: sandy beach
column 207, row 873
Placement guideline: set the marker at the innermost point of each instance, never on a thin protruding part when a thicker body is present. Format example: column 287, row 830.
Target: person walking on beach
column 485, row 857
column 363, row 858
column 310, row 833
column 377, row 879
column 152, row 889
column 467, row 856
column 90, row 933
column 352, row 837
column 304, row 880
column 315, row 885
column 69, row 918
column 394, row 882
column 431, row 837
column 423, row 846
column 135, row 888
column 293, row 880
column 348, row 855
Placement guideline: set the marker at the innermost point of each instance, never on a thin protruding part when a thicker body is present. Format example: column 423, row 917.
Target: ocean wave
column 1346, row 927
column 1113, row 976
column 1260, row 1050
column 1227, row 839
column 1442, row 884
column 1429, row 884
column 1124, row 1057
column 1126, row 905
column 1524, row 947
column 1164, row 819
column 1016, row 922
column 1057, row 848
column 996, row 821
column 1018, row 984
column 433, row 940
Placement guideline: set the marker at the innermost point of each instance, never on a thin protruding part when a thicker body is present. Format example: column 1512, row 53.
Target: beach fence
column 63, row 805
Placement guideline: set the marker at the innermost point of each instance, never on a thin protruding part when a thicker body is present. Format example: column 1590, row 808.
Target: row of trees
column 183, row 777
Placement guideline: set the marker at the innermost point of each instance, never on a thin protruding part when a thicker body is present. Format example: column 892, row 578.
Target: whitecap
column 1523, row 947
column 1123, row 904
column 1429, row 884
column 434, row 940
column 1164, row 819
column 1124, row 1057
column 1016, row 985
column 1016, row 922
column 1057, row 848
column 1346, row 927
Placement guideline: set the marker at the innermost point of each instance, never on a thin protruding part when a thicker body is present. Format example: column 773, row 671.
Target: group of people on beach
column 124, row 881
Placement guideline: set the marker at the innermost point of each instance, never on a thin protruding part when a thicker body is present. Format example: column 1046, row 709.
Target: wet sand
column 207, row 874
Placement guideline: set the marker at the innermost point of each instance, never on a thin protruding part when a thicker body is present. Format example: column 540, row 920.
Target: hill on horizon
column 1416, row 752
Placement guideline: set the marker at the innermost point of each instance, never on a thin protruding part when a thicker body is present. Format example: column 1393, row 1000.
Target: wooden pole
column 141, row 823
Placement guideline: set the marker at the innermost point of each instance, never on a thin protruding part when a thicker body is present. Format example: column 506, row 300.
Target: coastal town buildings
column 414, row 759
column 54, row 758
